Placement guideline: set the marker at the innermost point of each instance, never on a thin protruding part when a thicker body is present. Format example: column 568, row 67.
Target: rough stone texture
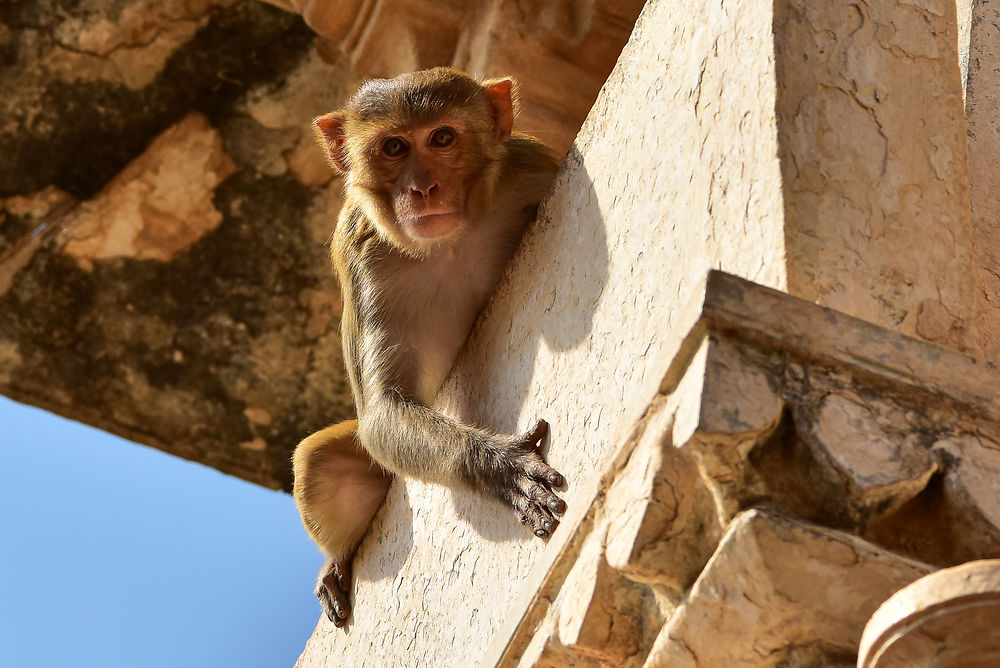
column 944, row 620
column 162, row 275
column 775, row 591
column 873, row 154
column 168, row 282
column 163, row 207
column 591, row 303
column 561, row 51
column 982, row 102
column 781, row 593
column 158, row 206
column 594, row 261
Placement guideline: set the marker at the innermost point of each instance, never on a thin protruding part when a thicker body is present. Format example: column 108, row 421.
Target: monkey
column 438, row 191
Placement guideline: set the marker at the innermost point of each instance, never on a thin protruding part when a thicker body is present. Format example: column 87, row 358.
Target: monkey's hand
column 525, row 481
column 332, row 590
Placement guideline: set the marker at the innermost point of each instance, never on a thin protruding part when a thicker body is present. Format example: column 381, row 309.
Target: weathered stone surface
column 561, row 52
column 163, row 277
column 944, row 620
column 665, row 506
column 780, row 592
column 158, row 206
column 72, row 119
column 174, row 287
column 652, row 504
column 982, row 101
column 873, row 155
column 589, row 304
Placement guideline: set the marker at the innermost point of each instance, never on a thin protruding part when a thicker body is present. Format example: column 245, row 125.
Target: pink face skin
column 428, row 171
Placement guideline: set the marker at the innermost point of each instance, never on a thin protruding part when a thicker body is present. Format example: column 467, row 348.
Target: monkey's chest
column 438, row 318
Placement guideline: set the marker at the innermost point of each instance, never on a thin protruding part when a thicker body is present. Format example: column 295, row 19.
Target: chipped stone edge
column 729, row 305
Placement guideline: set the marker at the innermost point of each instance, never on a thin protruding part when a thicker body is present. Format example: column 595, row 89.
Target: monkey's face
column 432, row 176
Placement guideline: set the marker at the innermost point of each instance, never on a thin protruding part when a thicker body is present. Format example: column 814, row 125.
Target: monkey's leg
column 338, row 489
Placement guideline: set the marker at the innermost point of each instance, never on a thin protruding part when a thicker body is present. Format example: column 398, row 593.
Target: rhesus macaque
column 438, row 192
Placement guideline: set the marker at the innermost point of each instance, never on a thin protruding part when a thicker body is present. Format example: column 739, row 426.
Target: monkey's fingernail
column 557, row 505
column 540, row 533
column 556, row 479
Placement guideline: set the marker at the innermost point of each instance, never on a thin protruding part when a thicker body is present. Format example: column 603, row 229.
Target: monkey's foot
column 532, row 496
column 332, row 590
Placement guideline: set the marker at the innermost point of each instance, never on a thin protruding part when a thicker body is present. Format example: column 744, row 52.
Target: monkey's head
column 422, row 152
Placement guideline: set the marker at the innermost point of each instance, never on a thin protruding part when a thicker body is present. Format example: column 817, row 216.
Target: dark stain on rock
column 85, row 340
column 80, row 134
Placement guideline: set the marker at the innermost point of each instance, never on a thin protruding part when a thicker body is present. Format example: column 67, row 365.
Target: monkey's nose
column 424, row 192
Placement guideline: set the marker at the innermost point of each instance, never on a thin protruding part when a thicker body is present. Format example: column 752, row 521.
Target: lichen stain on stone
column 158, row 206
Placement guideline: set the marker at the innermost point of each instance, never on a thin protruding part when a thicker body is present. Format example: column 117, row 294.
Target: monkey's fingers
column 535, row 516
column 544, row 496
column 544, row 473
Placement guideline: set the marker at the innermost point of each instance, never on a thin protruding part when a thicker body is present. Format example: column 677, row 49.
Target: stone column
column 873, row 156
column 982, row 100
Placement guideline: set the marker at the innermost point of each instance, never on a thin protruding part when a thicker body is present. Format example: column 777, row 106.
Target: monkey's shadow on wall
column 549, row 296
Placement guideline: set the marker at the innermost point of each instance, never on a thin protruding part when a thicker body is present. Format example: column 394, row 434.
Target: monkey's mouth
column 433, row 225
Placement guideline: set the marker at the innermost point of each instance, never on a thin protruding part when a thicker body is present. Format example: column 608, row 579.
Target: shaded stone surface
column 774, row 585
column 164, row 208
column 981, row 103
column 781, row 593
column 162, row 270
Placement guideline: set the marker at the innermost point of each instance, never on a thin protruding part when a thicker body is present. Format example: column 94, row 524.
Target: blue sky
column 115, row 554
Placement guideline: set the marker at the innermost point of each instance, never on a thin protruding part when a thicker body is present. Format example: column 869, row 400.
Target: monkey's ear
column 502, row 94
column 329, row 131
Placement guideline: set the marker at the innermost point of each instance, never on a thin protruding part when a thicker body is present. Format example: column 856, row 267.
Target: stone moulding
column 840, row 432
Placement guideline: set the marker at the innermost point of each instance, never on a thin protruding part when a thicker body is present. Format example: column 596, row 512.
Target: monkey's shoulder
column 354, row 240
column 528, row 154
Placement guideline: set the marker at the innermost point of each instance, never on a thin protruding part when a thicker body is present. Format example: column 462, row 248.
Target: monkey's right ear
column 329, row 131
column 502, row 96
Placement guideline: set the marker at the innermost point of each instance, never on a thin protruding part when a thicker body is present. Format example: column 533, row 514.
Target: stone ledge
column 773, row 400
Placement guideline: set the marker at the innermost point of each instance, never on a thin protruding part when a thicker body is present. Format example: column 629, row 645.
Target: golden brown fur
column 438, row 192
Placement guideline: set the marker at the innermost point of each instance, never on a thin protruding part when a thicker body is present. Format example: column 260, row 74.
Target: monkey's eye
column 393, row 147
column 442, row 137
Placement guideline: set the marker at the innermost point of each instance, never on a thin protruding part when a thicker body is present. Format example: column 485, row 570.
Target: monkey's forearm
column 408, row 438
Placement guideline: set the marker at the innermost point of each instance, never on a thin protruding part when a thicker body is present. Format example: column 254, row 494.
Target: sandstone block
column 781, row 592
column 982, row 101
column 873, row 155
column 160, row 205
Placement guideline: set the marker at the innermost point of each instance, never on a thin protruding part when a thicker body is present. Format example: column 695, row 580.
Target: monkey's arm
column 406, row 437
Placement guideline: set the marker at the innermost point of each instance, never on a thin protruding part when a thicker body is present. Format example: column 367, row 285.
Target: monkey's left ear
column 502, row 94
column 330, row 133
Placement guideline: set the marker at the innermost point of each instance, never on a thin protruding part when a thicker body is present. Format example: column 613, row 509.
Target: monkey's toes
column 335, row 604
column 333, row 593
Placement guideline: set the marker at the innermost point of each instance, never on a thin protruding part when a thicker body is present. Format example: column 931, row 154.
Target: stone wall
column 750, row 475
column 753, row 467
